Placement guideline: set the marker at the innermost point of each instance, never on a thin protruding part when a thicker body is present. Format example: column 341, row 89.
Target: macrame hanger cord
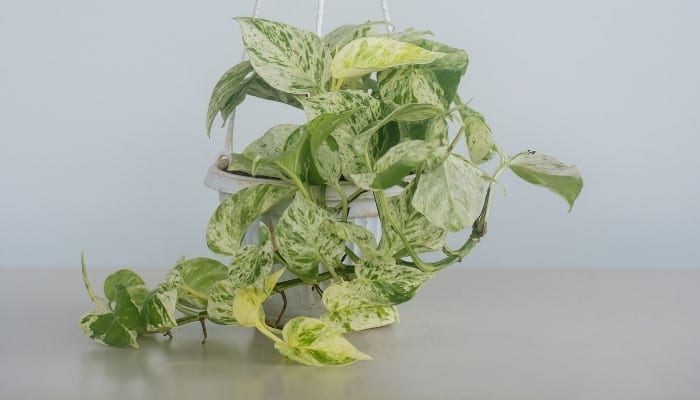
column 228, row 142
column 319, row 17
column 385, row 13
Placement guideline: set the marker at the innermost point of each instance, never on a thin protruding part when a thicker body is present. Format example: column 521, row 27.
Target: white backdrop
column 102, row 105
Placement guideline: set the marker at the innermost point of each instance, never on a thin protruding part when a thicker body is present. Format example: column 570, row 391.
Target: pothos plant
column 380, row 110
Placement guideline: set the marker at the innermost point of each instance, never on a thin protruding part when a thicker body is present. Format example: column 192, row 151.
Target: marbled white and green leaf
column 235, row 214
column 548, row 172
column 311, row 341
column 194, row 279
column 287, row 58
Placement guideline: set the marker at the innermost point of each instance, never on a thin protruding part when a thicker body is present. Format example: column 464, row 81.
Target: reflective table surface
column 468, row 334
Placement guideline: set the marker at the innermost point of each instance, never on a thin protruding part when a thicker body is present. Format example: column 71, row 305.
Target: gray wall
column 102, row 144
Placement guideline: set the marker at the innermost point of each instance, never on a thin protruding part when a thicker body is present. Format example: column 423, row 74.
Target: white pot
column 301, row 300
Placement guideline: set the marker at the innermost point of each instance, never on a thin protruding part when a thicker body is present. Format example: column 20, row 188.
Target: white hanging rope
column 385, row 13
column 228, row 142
column 319, row 17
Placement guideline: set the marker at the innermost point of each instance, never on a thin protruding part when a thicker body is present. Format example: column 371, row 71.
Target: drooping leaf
column 118, row 328
column 548, row 172
column 365, row 55
column 311, row 341
column 158, row 310
column 422, row 235
column 194, row 280
column 247, row 306
column 323, row 147
column 388, row 283
column 103, row 327
column 450, row 196
column 350, row 310
column 130, row 281
column 259, row 88
column 448, row 69
column 287, row 58
column 344, row 34
column 479, row 137
column 233, row 216
column 304, row 242
column 229, row 92
column 399, row 161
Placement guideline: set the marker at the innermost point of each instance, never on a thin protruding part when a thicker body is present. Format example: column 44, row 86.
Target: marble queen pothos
column 378, row 107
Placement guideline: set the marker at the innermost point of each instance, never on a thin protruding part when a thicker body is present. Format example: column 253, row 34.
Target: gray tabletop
column 469, row 334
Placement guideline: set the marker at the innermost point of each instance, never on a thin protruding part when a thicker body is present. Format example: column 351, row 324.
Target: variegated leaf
column 220, row 304
column 366, row 55
column 194, row 280
column 411, row 85
column 130, row 281
column 250, row 264
column 350, row 310
column 344, row 34
column 356, row 234
column 399, row 161
column 105, row 328
column 158, row 310
column 406, row 112
column 303, row 241
column 548, row 172
column 233, row 216
column 478, row 134
column 311, row 341
column 366, row 109
column 229, row 92
column 409, row 35
column 422, row 235
column 449, row 68
column 323, row 147
column 451, row 195
column 259, row 88
column 118, row 328
column 269, row 146
column 431, row 130
column 287, row 58
column 387, row 283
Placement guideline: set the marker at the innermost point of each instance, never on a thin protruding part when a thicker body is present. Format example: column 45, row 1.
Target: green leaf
column 229, row 92
column 399, row 161
column 271, row 143
column 548, row 172
column 409, row 35
column 271, row 280
column 366, row 55
column 130, row 281
column 450, row 196
column 387, row 283
column 448, row 69
column 422, row 235
column 233, row 216
column 304, row 242
column 349, row 309
column 247, row 306
column 479, row 137
column 118, row 328
column 311, row 341
column 287, row 58
column 105, row 328
column 158, row 310
column 344, row 34
column 323, row 148
column 194, row 279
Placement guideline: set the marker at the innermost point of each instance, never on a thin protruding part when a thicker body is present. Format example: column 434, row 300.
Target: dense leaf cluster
column 379, row 108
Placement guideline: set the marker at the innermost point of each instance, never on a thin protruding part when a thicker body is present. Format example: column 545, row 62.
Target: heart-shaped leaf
column 548, row 172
